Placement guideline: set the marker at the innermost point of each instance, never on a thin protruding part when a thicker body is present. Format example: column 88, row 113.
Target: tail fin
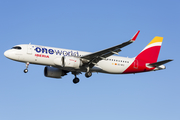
column 151, row 52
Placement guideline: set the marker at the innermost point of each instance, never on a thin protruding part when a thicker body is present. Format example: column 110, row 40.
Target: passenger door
column 29, row 49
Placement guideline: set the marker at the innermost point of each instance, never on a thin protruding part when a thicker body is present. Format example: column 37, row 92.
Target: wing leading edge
column 95, row 57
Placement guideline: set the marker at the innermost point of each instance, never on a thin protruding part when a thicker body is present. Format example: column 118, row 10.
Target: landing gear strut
column 88, row 73
column 26, row 70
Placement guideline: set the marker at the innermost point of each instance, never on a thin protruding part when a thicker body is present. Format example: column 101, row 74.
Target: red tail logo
column 151, row 52
column 148, row 55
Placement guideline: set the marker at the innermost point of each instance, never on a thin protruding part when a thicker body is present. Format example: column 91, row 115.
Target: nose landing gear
column 26, row 70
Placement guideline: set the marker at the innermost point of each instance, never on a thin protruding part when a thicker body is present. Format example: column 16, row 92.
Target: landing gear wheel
column 25, row 70
column 88, row 74
column 75, row 80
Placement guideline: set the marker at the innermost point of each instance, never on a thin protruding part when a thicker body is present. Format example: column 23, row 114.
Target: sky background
column 89, row 26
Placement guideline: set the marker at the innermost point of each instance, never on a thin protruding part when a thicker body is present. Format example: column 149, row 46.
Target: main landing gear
column 26, row 70
column 76, row 79
column 88, row 74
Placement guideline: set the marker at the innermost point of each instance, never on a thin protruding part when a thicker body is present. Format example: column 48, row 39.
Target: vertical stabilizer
column 151, row 52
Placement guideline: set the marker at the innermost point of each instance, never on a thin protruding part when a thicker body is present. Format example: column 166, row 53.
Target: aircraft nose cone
column 6, row 54
column 11, row 54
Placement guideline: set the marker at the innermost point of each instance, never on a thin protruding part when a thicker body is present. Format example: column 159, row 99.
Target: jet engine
column 72, row 62
column 53, row 72
column 68, row 61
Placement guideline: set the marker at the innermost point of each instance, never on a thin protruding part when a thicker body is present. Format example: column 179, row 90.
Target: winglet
column 135, row 36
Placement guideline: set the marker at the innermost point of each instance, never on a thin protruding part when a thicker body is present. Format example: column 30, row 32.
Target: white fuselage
column 43, row 55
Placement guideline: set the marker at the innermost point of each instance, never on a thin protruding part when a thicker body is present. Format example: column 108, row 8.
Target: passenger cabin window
column 16, row 47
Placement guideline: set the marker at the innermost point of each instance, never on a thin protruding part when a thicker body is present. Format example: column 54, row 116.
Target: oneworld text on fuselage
column 57, row 52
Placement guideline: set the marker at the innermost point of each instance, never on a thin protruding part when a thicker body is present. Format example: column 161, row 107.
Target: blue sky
column 89, row 26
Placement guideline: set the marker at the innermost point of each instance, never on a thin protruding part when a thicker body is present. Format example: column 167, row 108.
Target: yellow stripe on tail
column 156, row 39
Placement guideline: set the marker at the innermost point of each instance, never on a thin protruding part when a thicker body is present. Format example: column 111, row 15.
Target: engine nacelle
column 53, row 72
column 72, row 62
column 68, row 61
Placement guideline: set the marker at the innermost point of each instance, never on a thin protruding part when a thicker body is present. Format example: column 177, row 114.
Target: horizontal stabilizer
column 156, row 64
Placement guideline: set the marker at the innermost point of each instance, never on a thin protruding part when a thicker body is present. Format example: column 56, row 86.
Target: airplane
column 58, row 62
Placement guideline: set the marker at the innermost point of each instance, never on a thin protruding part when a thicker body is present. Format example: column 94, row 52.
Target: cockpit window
column 16, row 47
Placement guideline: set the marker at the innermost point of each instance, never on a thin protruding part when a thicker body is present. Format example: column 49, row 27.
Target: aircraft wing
column 101, row 55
